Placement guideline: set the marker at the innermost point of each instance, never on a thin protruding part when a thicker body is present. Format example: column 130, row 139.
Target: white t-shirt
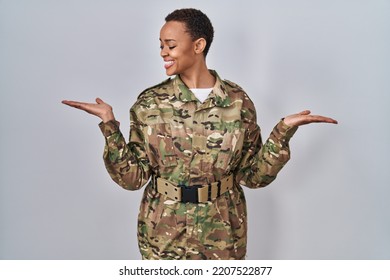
column 201, row 93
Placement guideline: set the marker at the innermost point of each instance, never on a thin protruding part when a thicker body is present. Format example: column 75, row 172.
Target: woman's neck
column 198, row 77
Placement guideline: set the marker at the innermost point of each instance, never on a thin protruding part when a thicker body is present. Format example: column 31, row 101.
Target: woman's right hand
column 99, row 109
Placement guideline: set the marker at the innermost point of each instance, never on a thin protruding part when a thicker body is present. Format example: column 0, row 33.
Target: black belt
column 194, row 193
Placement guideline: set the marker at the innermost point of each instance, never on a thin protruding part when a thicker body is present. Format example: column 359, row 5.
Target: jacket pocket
column 160, row 144
column 230, row 151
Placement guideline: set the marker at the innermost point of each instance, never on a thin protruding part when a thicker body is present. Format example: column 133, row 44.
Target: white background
column 330, row 201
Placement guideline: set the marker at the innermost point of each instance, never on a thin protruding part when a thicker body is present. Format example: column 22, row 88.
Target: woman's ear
column 199, row 45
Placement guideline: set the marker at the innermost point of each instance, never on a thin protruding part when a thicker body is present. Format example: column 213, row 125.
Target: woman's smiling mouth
column 168, row 63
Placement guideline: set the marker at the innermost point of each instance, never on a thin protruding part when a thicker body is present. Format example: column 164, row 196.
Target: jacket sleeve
column 127, row 164
column 260, row 163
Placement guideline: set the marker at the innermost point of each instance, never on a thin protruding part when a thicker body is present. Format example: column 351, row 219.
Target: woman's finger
column 305, row 112
column 70, row 103
column 324, row 119
column 78, row 105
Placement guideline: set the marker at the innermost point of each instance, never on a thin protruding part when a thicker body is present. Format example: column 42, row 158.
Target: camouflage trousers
column 215, row 230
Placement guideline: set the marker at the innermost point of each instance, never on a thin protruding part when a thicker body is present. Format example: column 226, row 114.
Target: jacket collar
column 218, row 97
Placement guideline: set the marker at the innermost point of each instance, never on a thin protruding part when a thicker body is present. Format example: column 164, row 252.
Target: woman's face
column 177, row 48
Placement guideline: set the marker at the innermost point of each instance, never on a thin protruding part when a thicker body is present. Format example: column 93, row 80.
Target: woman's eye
column 171, row 48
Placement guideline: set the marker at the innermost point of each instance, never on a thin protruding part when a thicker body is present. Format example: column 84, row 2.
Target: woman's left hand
column 304, row 117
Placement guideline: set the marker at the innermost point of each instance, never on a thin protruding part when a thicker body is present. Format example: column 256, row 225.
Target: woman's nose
column 163, row 52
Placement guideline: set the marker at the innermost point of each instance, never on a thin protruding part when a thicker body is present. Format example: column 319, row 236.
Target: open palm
column 305, row 117
column 99, row 109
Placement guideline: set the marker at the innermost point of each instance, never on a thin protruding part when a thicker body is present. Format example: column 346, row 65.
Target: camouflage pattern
column 175, row 136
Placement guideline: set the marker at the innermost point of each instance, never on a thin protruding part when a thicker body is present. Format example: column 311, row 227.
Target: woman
column 195, row 135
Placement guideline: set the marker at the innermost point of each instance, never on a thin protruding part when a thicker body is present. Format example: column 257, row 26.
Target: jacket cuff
column 109, row 127
column 284, row 131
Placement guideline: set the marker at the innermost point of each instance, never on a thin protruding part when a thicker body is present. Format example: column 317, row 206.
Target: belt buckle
column 189, row 193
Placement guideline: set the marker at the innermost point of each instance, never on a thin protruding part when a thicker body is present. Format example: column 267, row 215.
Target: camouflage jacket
column 175, row 136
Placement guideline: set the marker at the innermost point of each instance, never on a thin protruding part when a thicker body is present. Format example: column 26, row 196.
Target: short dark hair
column 197, row 23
